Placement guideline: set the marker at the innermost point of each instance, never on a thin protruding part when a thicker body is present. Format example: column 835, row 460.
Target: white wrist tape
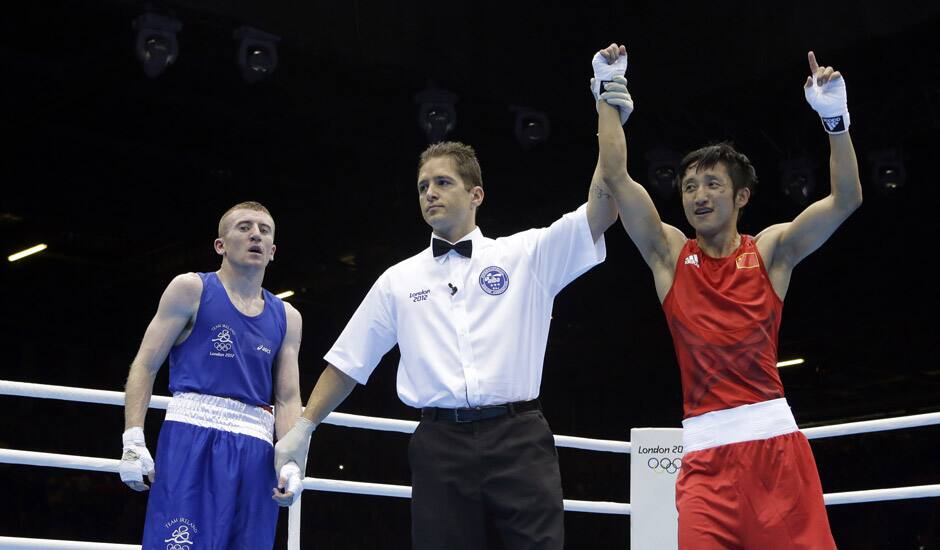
column 134, row 436
column 605, row 72
column 136, row 461
column 295, row 481
column 831, row 102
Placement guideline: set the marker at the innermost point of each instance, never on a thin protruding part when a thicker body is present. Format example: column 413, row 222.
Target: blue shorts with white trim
column 212, row 491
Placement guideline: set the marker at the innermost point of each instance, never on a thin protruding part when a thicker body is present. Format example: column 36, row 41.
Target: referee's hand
column 294, row 445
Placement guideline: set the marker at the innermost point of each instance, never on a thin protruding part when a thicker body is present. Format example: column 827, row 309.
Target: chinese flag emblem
column 748, row 260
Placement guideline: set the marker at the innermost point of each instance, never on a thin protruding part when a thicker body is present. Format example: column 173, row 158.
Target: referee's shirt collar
column 475, row 236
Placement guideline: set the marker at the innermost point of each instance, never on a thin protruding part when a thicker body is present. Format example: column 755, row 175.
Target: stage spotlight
column 156, row 45
column 662, row 171
column 797, row 181
column 887, row 168
column 532, row 127
column 436, row 114
column 257, row 53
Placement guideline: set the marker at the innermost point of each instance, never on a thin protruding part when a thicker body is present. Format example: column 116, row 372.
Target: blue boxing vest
column 229, row 354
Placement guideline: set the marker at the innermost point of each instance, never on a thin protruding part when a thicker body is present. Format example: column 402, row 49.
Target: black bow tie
column 440, row 247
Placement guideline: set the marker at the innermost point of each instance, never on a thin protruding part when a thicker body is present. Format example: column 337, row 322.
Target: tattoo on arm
column 600, row 192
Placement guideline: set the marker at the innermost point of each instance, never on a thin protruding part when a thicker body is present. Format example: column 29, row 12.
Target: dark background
column 125, row 178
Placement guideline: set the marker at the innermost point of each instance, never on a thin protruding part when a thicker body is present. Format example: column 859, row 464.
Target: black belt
column 480, row 413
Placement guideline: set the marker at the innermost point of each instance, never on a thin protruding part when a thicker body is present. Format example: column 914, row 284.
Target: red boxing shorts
column 756, row 493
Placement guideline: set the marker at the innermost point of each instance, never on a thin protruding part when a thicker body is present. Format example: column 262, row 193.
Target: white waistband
column 744, row 423
column 221, row 413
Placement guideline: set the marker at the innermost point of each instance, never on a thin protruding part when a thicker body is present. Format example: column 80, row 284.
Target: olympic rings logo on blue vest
column 494, row 280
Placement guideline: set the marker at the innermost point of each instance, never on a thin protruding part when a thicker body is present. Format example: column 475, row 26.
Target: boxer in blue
column 234, row 376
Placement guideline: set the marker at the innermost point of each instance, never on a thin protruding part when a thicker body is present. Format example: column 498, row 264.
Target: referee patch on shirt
column 748, row 260
column 494, row 280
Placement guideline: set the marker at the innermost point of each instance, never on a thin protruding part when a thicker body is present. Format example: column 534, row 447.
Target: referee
column 470, row 315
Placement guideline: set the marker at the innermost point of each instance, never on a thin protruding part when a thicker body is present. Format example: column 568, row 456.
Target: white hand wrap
column 831, row 102
column 607, row 74
column 294, row 445
column 294, row 480
column 136, row 460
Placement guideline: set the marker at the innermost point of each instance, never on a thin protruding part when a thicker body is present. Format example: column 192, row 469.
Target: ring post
column 293, row 525
column 655, row 459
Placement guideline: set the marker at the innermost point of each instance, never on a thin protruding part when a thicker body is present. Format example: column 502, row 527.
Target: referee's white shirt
column 483, row 344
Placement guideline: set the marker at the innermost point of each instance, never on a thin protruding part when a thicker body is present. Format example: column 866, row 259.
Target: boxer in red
column 748, row 478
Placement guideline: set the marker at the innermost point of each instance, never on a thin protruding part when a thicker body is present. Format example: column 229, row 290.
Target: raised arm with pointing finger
column 785, row 245
column 748, row 478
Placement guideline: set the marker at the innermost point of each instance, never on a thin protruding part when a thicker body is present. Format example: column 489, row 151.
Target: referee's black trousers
column 498, row 475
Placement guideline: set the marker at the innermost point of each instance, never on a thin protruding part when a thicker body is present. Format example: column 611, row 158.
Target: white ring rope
column 876, row 495
column 103, row 397
column 24, row 389
column 870, row 426
column 32, row 458
column 17, row 543
column 45, row 391
column 51, row 460
column 66, row 393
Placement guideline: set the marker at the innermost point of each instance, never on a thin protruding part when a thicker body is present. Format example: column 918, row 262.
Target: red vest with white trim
column 724, row 316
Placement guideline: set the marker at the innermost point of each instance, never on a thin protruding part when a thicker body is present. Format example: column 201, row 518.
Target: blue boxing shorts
column 214, row 475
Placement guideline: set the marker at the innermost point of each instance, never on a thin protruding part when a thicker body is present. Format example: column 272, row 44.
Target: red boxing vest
column 724, row 316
